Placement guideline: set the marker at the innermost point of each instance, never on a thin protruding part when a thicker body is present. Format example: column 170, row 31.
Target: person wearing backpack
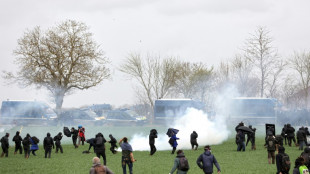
column 180, row 163
column 300, row 167
column 26, row 146
column 18, row 143
column 271, row 147
column 98, row 168
column 100, row 147
column 206, row 160
column 48, row 143
column 306, row 155
column 282, row 161
column 127, row 155
column 193, row 139
column 57, row 140
column 290, row 135
column 5, row 145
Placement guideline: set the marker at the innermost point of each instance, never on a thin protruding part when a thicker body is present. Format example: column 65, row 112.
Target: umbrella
column 172, row 131
column 245, row 129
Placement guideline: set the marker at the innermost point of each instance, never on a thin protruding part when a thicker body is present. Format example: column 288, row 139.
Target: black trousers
column 153, row 149
column 74, row 139
column 59, row 147
column 101, row 153
column 18, row 147
column 26, row 152
column 48, row 151
column 194, row 143
column 112, row 148
column 5, row 151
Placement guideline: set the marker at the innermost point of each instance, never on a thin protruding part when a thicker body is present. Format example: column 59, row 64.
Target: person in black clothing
column 91, row 144
column 18, row 143
column 240, row 139
column 113, row 144
column 26, row 146
column 301, row 137
column 284, row 133
column 279, row 156
column 152, row 136
column 48, row 143
column 100, row 147
column 251, row 138
column 240, row 124
column 290, row 134
column 5, row 145
column 194, row 137
column 74, row 134
column 57, row 140
column 306, row 155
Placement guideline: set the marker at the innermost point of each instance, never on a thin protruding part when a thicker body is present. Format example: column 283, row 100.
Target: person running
column 152, row 136
column 5, row 145
column 57, row 140
column 99, row 168
column 206, row 160
column 194, row 137
column 48, row 143
column 100, row 147
column 180, row 163
column 174, row 142
column 18, row 143
column 113, row 144
column 127, row 155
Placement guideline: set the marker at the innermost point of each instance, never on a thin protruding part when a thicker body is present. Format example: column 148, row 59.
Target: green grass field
column 73, row 161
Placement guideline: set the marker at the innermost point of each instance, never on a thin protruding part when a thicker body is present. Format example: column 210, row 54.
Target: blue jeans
column 128, row 162
column 241, row 146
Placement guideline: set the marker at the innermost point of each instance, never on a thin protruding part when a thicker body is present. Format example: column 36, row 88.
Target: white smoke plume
column 209, row 132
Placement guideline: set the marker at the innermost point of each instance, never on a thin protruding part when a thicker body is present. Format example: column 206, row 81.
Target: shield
column 172, row 131
column 270, row 129
column 245, row 129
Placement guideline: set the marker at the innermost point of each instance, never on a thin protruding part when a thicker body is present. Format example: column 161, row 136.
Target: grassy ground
column 73, row 161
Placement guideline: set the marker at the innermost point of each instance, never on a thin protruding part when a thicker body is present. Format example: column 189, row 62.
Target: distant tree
column 259, row 51
column 300, row 62
column 62, row 59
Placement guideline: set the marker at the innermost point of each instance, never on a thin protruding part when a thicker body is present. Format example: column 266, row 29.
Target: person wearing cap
column 279, row 156
column 99, row 168
column 18, row 143
column 5, row 145
column 206, row 160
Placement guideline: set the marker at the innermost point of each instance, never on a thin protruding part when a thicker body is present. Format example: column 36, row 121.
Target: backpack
column 55, row 138
column 99, row 141
column 271, row 143
column 100, row 170
column 184, row 166
column 286, row 163
column 171, row 141
column 35, row 140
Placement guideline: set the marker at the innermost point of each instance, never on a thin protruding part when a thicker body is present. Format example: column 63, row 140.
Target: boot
column 15, row 153
column 2, row 154
column 254, row 147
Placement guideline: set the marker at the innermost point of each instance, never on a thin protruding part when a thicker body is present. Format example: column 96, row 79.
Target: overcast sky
column 194, row 30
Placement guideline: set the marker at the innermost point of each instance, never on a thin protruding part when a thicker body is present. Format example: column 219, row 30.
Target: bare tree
column 263, row 56
column 300, row 62
column 156, row 76
column 290, row 88
column 61, row 59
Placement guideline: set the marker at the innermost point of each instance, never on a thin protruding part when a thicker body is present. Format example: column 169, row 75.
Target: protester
column 270, row 144
column 99, row 168
column 81, row 135
column 240, row 124
column 301, row 137
column 91, row 143
column 152, row 136
column 113, row 144
column 174, row 142
column 34, row 145
column 57, row 140
column 300, row 167
column 74, row 134
column 206, row 160
column 48, row 144
column 306, row 155
column 284, row 133
column 180, row 163
column 193, row 139
column 127, row 155
column 26, row 146
column 251, row 138
column 290, row 135
column 18, row 143
column 100, row 147
column 282, row 161
column 240, row 140
column 5, row 145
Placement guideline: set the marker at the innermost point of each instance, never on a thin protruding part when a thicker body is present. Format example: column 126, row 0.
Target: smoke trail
column 209, row 132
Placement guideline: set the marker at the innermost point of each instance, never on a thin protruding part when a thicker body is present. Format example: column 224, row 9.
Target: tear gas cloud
column 209, row 132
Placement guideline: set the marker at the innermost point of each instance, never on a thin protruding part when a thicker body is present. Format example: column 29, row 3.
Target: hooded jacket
column 207, row 160
column 93, row 171
column 177, row 164
column 17, row 139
